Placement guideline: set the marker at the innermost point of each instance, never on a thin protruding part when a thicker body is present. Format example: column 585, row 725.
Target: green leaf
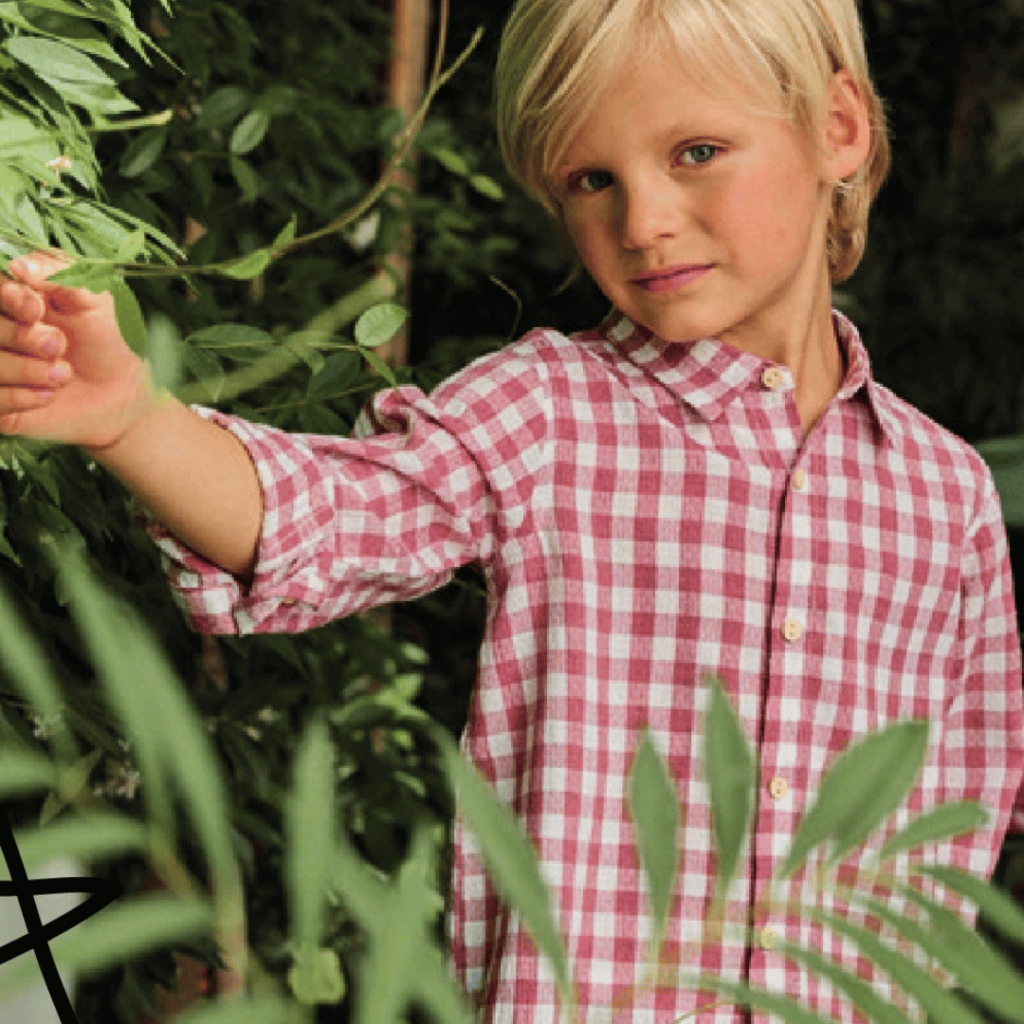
column 164, row 352
column 229, row 336
column 123, row 931
column 132, row 247
column 339, row 373
column 450, row 160
column 732, row 779
column 780, row 1007
column 299, row 344
column 992, row 979
column 33, row 675
column 309, row 836
column 12, row 184
column 25, row 140
column 88, row 837
column 861, row 994
column 402, row 949
column 30, row 222
column 246, row 177
column 206, row 369
column 94, row 277
column 379, row 324
column 170, row 739
column 510, row 858
column 654, row 806
column 864, row 784
column 23, row 773
column 381, row 367
column 316, row 977
column 55, row 61
column 288, row 233
column 997, row 908
column 941, row 1005
column 487, row 187
column 222, row 107
column 143, row 151
column 248, row 267
column 935, row 825
column 130, row 320
column 250, row 132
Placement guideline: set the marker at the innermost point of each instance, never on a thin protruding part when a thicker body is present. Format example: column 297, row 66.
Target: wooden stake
column 410, row 40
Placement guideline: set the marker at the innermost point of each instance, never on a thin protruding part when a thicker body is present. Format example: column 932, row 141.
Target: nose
column 650, row 211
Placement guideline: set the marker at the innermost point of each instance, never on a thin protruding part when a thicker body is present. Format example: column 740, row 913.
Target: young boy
column 708, row 483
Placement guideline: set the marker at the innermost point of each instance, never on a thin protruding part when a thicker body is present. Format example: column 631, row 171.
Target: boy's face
column 697, row 213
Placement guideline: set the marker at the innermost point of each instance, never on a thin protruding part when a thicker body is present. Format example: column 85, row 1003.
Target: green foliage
column 654, row 805
column 249, row 122
column 403, row 964
column 231, row 148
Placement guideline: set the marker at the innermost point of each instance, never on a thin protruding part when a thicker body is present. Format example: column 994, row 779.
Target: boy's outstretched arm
column 67, row 375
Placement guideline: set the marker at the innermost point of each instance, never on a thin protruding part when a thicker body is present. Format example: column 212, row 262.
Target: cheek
column 590, row 241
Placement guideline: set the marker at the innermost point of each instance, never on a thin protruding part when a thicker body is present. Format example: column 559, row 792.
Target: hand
column 66, row 373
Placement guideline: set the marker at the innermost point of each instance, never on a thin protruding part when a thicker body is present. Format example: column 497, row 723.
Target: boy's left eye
column 701, row 154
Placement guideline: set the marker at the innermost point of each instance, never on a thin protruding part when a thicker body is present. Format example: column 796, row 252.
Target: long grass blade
column 864, row 784
column 997, row 908
column 941, row 1005
column 732, row 778
column 936, row 825
column 23, row 772
column 986, row 975
column 32, row 674
column 309, row 834
column 654, row 806
column 862, row 995
column 510, row 859
column 121, row 932
column 86, row 838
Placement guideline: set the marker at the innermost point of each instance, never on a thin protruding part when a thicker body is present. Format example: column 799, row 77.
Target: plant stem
column 379, row 288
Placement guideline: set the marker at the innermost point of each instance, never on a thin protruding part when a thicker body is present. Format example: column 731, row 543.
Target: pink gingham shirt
column 647, row 515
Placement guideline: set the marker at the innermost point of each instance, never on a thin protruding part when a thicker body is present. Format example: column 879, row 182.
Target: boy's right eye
column 590, row 181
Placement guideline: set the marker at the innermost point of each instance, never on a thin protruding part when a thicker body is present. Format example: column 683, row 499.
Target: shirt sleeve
column 427, row 484
column 991, row 725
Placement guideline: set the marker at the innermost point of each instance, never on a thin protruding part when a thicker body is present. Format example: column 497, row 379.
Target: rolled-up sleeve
column 388, row 514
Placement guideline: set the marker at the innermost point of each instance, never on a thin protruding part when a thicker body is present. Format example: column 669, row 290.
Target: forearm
column 195, row 478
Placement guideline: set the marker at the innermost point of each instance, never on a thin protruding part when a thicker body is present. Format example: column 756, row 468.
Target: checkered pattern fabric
column 648, row 515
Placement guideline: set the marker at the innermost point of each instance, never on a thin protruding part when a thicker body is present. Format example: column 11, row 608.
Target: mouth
column 669, row 279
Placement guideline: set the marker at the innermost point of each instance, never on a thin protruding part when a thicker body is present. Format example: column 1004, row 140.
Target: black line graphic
column 39, row 936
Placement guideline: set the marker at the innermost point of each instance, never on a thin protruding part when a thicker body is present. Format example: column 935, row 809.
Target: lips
column 670, row 279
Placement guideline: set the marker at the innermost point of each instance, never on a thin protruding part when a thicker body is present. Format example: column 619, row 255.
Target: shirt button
column 773, row 378
column 778, row 788
column 768, row 939
column 799, row 478
column 792, row 630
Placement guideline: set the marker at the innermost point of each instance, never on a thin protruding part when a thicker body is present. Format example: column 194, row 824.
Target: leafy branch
column 99, row 273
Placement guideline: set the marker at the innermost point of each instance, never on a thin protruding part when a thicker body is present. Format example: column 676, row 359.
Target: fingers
column 35, row 271
column 22, row 304
column 32, row 338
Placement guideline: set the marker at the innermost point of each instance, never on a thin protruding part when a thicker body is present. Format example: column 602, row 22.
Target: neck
column 806, row 343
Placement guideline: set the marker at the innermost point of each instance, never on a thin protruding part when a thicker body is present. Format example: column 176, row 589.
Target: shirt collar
column 708, row 374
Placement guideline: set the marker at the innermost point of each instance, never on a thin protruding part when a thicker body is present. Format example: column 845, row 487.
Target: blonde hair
column 558, row 56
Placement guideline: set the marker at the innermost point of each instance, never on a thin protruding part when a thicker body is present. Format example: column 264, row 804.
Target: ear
column 847, row 130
